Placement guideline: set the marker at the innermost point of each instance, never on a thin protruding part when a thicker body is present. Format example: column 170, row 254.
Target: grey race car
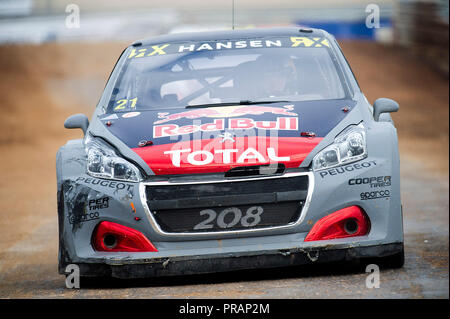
column 219, row 151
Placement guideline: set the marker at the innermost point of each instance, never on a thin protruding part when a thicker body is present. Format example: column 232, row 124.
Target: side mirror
column 77, row 121
column 384, row 106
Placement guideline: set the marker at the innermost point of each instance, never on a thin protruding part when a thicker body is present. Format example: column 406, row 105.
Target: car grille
column 227, row 206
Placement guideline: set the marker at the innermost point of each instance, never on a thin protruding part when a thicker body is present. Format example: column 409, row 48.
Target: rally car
column 220, row 151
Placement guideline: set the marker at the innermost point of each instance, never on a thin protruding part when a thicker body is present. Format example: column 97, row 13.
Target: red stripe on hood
column 215, row 156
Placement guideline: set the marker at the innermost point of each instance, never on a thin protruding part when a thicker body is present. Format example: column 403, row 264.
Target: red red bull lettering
column 281, row 123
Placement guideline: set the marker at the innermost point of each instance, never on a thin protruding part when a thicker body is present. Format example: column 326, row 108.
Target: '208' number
column 252, row 217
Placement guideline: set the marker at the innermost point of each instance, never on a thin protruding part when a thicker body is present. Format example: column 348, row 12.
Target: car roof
column 232, row 34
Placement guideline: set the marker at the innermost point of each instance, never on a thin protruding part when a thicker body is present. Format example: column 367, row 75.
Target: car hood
column 217, row 139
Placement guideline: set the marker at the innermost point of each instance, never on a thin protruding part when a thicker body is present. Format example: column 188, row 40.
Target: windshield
column 231, row 71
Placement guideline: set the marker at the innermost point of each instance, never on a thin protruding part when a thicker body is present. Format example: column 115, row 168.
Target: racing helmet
column 277, row 73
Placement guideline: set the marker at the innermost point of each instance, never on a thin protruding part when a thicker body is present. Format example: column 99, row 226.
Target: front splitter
column 214, row 263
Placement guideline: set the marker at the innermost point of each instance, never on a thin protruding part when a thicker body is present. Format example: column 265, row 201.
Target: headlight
column 102, row 161
column 349, row 146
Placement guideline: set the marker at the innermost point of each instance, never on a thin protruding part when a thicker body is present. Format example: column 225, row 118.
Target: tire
column 394, row 261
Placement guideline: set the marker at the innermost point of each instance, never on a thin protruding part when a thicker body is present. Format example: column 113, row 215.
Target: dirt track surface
column 42, row 85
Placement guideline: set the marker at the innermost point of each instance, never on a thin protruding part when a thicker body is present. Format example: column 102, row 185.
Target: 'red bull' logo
column 226, row 111
column 281, row 123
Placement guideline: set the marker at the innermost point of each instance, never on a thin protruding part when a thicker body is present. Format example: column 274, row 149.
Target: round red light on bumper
column 348, row 222
column 109, row 236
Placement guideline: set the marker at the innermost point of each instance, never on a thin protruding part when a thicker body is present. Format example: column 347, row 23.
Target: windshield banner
column 173, row 48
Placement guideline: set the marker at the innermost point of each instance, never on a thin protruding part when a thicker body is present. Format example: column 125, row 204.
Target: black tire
column 394, row 261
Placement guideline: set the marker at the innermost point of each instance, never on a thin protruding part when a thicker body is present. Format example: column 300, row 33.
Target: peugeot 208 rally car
column 219, row 151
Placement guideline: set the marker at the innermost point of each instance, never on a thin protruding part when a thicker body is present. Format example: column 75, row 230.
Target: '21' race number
column 123, row 103
column 252, row 217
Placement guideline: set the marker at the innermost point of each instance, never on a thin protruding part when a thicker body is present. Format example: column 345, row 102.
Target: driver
column 277, row 74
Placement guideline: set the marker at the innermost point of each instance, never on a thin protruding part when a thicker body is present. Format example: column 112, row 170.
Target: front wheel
column 394, row 261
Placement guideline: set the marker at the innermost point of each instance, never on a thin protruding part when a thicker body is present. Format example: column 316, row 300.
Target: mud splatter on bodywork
column 76, row 198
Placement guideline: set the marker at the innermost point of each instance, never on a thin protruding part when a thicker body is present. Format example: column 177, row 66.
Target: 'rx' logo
column 157, row 49
column 309, row 42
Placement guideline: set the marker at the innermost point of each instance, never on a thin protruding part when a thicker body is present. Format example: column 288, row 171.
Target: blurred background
column 53, row 64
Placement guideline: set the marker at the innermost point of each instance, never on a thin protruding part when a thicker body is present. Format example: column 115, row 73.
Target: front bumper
column 187, row 265
column 214, row 252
